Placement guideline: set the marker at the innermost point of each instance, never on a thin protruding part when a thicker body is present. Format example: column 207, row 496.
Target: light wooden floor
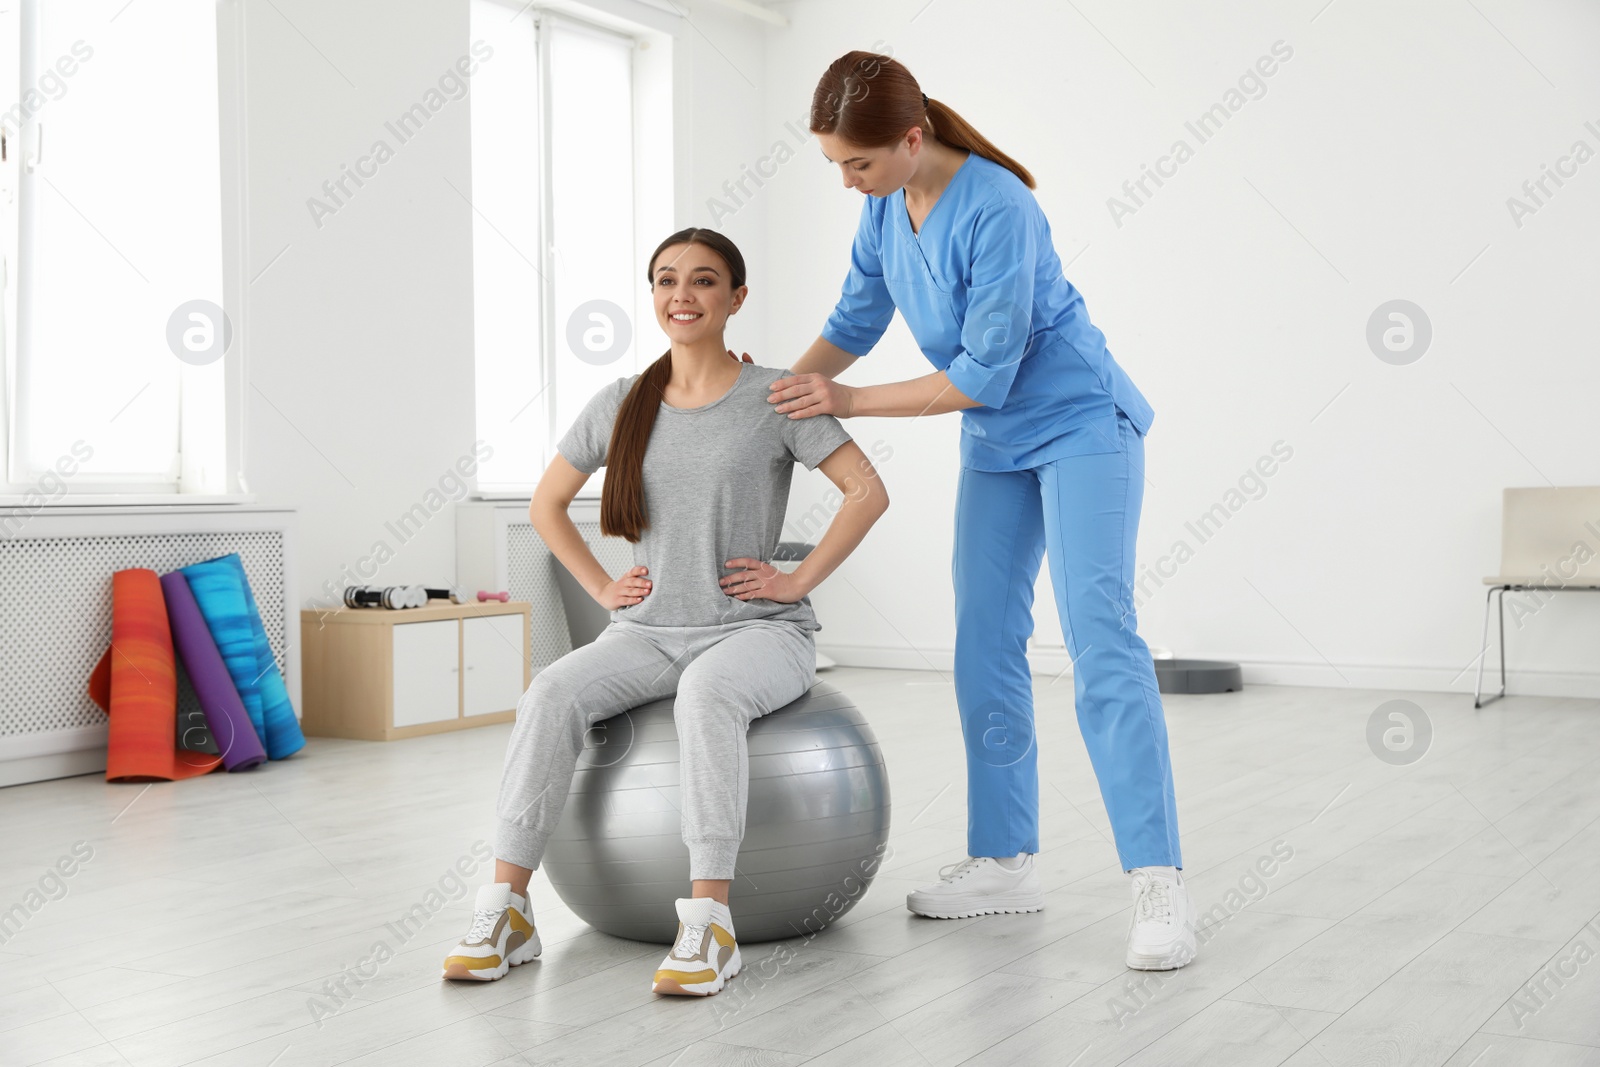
column 1417, row 903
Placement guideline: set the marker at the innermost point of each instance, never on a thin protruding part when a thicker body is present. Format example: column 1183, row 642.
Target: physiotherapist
column 1052, row 461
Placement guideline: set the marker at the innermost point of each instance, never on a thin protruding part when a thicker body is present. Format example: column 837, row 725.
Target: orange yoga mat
column 136, row 683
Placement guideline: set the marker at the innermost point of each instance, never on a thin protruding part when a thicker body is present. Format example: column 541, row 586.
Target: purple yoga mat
column 219, row 699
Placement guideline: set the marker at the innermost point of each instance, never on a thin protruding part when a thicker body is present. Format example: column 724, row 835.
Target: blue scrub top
column 982, row 291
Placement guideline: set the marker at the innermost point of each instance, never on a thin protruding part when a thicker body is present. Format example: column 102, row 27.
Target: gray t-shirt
column 716, row 487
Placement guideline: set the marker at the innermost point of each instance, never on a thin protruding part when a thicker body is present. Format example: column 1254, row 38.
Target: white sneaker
column 502, row 936
column 1161, row 932
column 978, row 885
column 705, row 956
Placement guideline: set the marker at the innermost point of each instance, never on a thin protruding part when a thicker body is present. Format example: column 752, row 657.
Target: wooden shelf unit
column 375, row 674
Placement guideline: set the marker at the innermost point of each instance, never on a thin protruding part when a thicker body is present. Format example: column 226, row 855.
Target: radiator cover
column 497, row 548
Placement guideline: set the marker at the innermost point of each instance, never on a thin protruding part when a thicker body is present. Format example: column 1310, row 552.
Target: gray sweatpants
column 725, row 675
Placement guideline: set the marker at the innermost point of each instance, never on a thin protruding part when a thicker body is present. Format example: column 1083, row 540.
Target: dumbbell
column 502, row 596
column 393, row 596
column 453, row 594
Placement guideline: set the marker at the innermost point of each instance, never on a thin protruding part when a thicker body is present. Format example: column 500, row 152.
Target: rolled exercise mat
column 219, row 698
column 193, row 733
column 223, row 593
column 136, row 684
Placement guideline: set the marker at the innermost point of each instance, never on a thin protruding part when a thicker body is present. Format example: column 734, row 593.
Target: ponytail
column 951, row 129
column 622, row 509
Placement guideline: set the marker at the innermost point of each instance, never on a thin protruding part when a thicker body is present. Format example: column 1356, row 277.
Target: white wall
column 1376, row 165
column 360, row 351
column 728, row 59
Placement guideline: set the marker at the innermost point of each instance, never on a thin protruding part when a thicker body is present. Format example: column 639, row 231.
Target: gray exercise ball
column 816, row 822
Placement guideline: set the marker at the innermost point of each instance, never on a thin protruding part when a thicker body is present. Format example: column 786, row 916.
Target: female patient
column 697, row 477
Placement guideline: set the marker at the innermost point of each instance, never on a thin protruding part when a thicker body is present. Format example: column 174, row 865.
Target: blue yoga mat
column 223, row 593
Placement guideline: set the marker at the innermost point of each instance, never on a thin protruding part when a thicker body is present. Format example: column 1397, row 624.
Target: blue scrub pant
column 1086, row 509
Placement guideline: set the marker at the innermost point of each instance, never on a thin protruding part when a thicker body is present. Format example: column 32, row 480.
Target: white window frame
column 660, row 138
column 231, row 176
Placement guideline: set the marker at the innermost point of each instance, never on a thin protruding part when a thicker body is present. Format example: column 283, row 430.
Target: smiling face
column 874, row 171
column 693, row 293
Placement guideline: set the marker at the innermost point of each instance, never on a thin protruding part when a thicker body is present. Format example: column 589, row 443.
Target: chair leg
column 1501, row 602
column 1477, row 694
column 1483, row 651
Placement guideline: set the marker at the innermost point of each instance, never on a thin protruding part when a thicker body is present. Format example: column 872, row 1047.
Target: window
column 558, row 271
column 112, row 189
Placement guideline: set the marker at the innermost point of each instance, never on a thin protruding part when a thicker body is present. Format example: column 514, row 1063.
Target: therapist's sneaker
column 502, row 936
column 705, row 956
column 1161, row 932
column 980, row 885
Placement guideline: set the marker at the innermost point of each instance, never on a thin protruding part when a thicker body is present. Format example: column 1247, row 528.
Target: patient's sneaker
column 502, row 936
column 705, row 956
column 980, row 885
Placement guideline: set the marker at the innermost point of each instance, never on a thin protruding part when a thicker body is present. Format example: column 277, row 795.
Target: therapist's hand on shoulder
column 747, row 358
column 800, row 396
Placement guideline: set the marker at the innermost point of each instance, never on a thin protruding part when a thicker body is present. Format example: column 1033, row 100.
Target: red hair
column 871, row 100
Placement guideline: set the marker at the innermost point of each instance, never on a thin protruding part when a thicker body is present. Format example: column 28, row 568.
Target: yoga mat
column 223, row 593
column 136, row 684
column 219, row 698
column 193, row 733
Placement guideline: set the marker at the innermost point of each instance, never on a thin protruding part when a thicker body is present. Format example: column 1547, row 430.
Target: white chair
column 1549, row 541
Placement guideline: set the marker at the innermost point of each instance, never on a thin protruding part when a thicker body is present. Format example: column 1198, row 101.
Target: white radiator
column 497, row 549
column 55, row 614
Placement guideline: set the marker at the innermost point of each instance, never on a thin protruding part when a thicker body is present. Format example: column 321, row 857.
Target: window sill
column 141, row 500
column 502, row 495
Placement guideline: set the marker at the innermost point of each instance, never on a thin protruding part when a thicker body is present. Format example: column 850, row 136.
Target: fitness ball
column 816, row 822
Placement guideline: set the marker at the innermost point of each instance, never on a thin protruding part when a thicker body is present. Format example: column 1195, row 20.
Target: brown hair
column 622, row 509
column 871, row 100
